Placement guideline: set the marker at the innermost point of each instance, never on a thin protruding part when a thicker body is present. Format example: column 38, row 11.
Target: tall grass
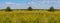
column 29, row 17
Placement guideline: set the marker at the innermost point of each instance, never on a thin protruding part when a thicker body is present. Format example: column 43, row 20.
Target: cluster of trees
column 30, row 9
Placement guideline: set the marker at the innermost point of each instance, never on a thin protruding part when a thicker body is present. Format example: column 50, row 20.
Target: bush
column 51, row 9
column 8, row 9
column 30, row 9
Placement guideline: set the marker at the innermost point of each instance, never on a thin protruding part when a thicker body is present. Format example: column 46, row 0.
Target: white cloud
column 9, row 3
column 32, row 2
column 14, row 5
column 0, row 4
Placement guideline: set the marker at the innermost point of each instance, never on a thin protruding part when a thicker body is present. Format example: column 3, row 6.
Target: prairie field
column 24, row 16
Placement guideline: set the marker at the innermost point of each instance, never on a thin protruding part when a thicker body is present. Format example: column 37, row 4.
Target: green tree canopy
column 30, row 9
column 51, row 8
column 8, row 9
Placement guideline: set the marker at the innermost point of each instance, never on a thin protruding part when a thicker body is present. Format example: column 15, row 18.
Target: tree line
column 30, row 9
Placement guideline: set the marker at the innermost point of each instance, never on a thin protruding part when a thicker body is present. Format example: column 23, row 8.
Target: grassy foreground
column 19, row 16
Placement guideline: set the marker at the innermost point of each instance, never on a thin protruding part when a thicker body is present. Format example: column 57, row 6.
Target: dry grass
column 41, row 16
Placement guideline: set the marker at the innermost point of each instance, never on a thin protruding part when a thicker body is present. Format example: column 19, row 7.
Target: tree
column 30, row 9
column 51, row 9
column 8, row 9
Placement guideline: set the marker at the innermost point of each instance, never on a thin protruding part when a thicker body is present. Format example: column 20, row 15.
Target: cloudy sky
column 24, row 4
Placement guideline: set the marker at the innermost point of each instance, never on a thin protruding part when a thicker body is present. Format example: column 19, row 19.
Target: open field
column 35, row 16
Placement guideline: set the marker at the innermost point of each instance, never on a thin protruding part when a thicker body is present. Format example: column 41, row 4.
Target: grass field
column 19, row 16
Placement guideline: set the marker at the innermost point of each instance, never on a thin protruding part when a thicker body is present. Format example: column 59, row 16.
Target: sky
column 35, row 4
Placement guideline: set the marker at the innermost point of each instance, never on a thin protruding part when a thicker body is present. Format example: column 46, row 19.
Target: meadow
column 34, row 16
